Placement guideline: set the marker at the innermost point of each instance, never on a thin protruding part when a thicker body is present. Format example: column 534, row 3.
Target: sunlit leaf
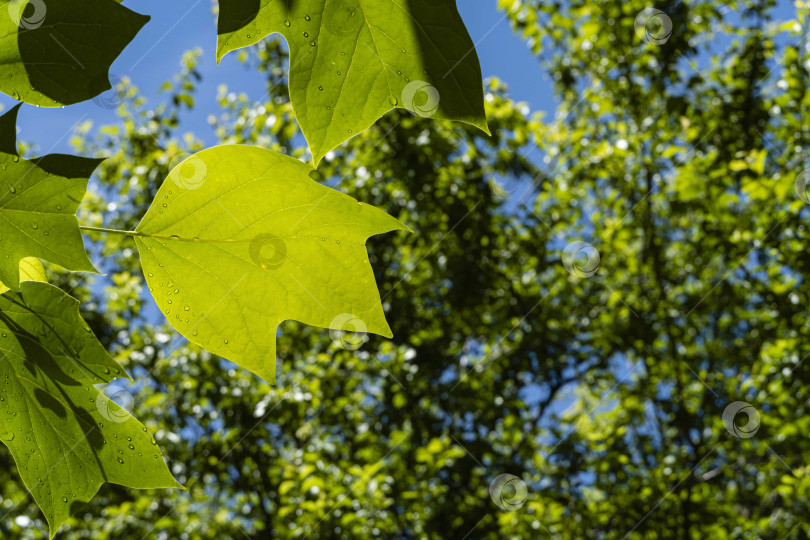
column 30, row 270
column 240, row 239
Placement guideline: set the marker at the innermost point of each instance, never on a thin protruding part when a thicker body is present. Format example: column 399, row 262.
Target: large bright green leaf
column 240, row 239
column 38, row 203
column 66, row 437
column 352, row 61
column 58, row 52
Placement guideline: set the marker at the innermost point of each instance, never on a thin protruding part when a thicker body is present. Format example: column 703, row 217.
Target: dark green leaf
column 66, row 437
column 352, row 61
column 58, row 52
column 38, row 203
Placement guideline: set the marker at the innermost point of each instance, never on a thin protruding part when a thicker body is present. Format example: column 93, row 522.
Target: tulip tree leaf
column 240, row 239
column 38, row 202
column 66, row 437
column 352, row 61
column 59, row 52
column 30, row 270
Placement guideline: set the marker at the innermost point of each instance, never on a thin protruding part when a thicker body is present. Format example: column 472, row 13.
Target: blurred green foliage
column 603, row 394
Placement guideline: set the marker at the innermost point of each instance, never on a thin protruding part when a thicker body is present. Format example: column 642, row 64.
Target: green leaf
column 38, row 203
column 30, row 270
column 67, row 438
column 352, row 61
column 240, row 239
column 59, row 52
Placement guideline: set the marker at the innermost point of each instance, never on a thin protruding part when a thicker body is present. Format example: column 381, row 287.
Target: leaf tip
column 267, row 375
column 53, row 527
column 222, row 50
column 141, row 20
column 402, row 226
column 483, row 125
column 317, row 156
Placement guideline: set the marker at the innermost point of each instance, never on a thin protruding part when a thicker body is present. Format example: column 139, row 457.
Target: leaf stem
column 147, row 235
column 109, row 231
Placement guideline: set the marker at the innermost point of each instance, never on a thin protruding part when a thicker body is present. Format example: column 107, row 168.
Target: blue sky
column 178, row 26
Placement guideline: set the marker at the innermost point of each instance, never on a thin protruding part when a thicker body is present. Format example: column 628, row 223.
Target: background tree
column 604, row 393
